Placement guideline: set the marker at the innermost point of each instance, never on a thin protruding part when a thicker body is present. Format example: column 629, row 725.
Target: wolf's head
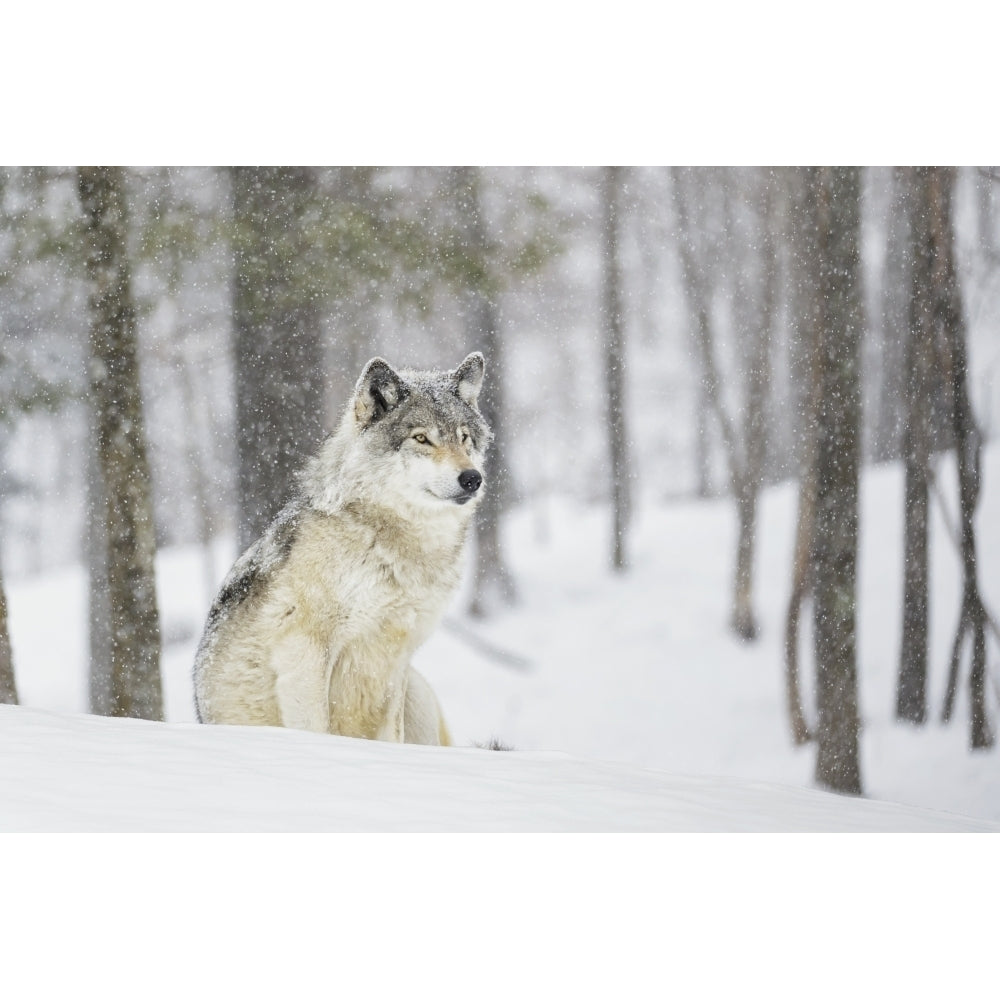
column 416, row 438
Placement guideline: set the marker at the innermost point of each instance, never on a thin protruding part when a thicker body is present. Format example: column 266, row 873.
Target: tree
column 911, row 684
column 968, row 445
column 612, row 321
column 807, row 368
column 748, row 468
column 121, row 449
column 754, row 310
column 8, row 690
column 836, row 204
column 278, row 347
column 492, row 581
column 30, row 240
column 95, row 543
column 695, row 275
column 892, row 313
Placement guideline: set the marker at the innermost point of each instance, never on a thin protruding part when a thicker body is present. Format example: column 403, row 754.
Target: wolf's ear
column 378, row 391
column 468, row 378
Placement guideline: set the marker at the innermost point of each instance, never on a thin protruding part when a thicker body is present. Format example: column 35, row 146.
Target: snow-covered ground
column 627, row 702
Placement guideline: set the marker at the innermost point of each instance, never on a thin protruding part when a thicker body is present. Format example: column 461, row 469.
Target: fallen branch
column 487, row 648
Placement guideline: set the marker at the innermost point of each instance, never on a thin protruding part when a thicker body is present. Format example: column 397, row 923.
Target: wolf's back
column 245, row 583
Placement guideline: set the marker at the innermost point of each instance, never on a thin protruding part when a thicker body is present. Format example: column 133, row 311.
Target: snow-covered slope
column 629, row 705
column 85, row 773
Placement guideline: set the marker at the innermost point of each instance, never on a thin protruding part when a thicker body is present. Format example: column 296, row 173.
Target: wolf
column 315, row 624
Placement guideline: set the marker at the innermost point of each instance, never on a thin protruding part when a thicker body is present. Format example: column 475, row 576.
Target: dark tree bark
column 838, row 452
column 8, row 690
column 121, row 448
column 278, row 342
column 99, row 606
column 911, row 684
column 973, row 619
column 612, row 182
column 492, row 584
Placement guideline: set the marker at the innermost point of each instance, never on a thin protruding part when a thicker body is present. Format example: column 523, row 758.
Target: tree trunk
column 696, row 293
column 806, row 269
column 99, row 674
column 744, row 459
column 911, row 685
column 801, row 585
column 8, row 690
column 758, row 383
column 193, row 429
column 121, row 447
column 896, row 311
column 492, row 584
column 837, row 479
column 614, row 362
column 278, row 343
column 968, row 444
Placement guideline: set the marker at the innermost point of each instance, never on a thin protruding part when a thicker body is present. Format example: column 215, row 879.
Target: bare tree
column 100, row 673
column 612, row 181
column 746, row 447
column 8, row 690
column 695, row 274
column 121, row 449
column 894, row 313
column 911, row 684
column 973, row 618
column 806, row 359
column 492, row 581
column 838, row 452
column 278, row 341
column 748, row 468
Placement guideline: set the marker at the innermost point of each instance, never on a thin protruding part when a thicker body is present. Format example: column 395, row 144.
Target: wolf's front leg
column 301, row 684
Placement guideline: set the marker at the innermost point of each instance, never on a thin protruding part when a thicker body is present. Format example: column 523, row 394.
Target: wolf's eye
column 420, row 438
column 464, row 438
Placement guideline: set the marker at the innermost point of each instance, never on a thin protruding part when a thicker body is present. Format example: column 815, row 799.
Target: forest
column 175, row 342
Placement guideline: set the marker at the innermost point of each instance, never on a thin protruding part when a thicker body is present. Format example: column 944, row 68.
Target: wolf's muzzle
column 470, row 481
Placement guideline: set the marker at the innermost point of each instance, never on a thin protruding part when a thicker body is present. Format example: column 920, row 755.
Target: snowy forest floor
column 628, row 703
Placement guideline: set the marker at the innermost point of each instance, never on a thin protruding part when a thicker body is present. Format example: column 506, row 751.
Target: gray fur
column 315, row 623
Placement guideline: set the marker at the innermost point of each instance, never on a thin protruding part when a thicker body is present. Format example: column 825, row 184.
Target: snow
column 88, row 773
column 627, row 702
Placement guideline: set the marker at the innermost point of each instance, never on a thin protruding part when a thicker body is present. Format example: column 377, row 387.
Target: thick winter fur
column 316, row 622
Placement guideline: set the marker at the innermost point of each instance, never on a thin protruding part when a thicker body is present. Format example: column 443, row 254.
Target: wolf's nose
column 470, row 481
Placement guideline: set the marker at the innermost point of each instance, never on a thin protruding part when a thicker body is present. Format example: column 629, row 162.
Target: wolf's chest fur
column 371, row 580
column 330, row 631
